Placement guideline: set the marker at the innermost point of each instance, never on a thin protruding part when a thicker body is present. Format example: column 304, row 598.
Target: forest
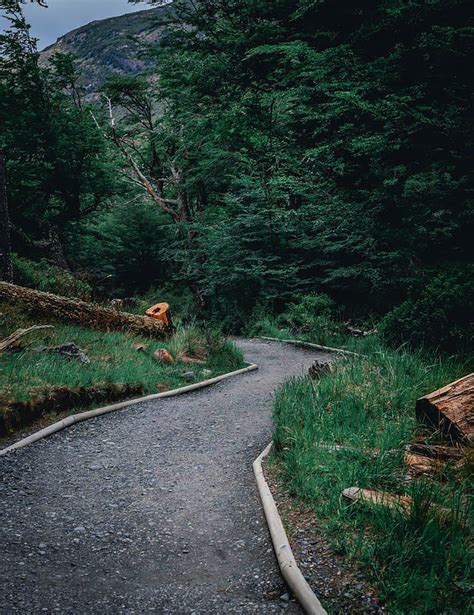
column 293, row 169
column 263, row 159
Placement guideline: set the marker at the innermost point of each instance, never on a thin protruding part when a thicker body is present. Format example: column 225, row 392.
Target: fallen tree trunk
column 450, row 409
column 78, row 312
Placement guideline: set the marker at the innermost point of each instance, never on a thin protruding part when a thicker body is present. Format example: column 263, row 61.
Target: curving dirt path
column 152, row 509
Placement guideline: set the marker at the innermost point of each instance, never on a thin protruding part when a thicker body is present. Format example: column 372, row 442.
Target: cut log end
column 450, row 409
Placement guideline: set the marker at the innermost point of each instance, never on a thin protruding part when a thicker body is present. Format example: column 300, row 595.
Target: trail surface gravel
column 149, row 509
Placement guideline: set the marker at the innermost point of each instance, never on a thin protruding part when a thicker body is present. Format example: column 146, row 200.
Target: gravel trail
column 149, row 509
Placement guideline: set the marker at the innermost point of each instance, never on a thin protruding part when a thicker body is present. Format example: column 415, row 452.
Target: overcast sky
column 61, row 16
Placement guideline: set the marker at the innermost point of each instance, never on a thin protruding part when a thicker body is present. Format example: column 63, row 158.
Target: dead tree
column 136, row 172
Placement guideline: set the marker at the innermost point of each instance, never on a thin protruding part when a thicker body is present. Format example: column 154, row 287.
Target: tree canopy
column 287, row 147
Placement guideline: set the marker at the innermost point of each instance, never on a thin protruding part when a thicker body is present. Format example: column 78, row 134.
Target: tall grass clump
column 420, row 562
column 313, row 318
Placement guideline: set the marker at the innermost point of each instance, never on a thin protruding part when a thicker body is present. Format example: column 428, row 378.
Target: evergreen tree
column 57, row 162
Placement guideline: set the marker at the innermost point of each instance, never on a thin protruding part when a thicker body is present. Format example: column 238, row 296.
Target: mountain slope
column 115, row 45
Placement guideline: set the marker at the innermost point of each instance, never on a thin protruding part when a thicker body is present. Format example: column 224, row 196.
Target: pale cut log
column 402, row 503
column 64, row 309
column 450, row 409
column 11, row 340
column 419, row 464
column 379, row 498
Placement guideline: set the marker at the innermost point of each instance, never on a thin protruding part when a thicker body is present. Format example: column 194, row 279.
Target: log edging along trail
column 311, row 345
column 90, row 414
column 286, row 560
column 281, row 545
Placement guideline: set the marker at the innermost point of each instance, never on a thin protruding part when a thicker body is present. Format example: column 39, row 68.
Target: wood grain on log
column 419, row 464
column 78, row 312
column 450, row 409
column 402, row 503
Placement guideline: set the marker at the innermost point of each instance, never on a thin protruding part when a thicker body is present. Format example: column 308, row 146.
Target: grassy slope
column 27, row 375
column 420, row 564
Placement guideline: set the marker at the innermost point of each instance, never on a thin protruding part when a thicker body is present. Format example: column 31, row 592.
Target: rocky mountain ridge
column 114, row 45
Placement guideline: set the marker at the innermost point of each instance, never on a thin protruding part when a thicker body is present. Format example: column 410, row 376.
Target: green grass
column 26, row 375
column 324, row 335
column 419, row 563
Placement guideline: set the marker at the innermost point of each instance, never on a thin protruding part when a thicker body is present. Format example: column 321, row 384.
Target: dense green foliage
column 328, row 147
column 49, row 278
column 420, row 562
column 57, row 165
column 439, row 315
column 288, row 148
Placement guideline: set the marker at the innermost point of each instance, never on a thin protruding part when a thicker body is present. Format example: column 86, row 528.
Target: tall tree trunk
column 56, row 254
column 6, row 268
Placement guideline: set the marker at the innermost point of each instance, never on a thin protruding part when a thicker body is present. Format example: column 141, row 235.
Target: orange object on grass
column 160, row 311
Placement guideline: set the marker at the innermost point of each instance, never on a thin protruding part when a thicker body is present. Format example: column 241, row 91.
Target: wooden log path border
column 90, row 414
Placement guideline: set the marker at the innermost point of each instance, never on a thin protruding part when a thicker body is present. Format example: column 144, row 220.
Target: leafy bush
column 123, row 244
column 439, row 316
column 312, row 318
column 312, row 312
column 42, row 276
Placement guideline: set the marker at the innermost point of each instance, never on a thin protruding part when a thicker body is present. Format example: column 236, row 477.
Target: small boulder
column 139, row 347
column 189, row 376
column 163, row 356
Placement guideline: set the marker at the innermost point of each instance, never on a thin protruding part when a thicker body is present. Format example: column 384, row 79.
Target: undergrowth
column 421, row 562
column 314, row 318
